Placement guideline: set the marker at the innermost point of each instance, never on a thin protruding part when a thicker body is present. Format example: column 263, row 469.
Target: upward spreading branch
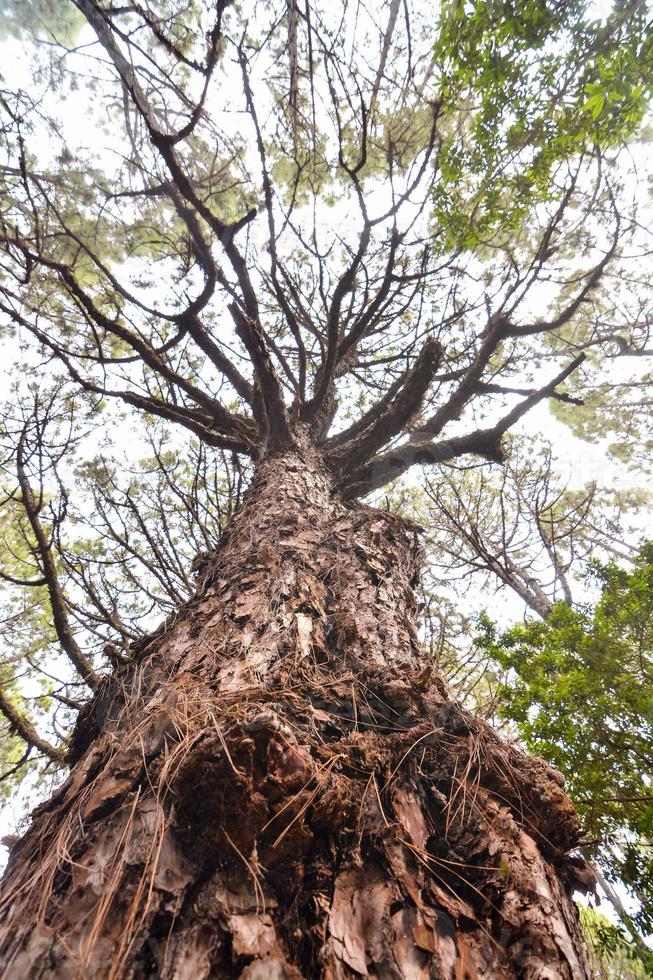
column 483, row 442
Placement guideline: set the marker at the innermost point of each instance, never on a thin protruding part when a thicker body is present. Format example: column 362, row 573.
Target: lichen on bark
column 275, row 786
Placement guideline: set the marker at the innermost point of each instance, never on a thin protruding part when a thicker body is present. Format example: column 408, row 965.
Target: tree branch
column 22, row 726
column 483, row 442
column 389, row 417
column 44, row 553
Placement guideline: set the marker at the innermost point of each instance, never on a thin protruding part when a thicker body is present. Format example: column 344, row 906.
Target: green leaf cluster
column 527, row 87
column 614, row 957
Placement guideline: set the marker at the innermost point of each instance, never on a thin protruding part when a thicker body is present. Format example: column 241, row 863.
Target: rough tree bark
column 276, row 787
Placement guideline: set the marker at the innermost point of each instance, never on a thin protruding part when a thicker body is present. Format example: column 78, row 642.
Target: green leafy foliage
column 615, row 957
column 527, row 87
column 579, row 692
column 619, row 413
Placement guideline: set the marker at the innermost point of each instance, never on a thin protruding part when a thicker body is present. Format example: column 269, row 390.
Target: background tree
column 526, row 526
column 580, row 693
column 281, row 726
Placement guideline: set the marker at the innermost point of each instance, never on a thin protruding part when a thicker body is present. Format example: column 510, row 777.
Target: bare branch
column 43, row 551
column 483, row 442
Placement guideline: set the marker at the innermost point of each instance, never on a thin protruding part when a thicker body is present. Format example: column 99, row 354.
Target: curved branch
column 57, row 598
column 22, row 726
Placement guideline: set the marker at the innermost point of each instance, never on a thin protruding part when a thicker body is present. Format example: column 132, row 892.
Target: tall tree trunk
column 276, row 787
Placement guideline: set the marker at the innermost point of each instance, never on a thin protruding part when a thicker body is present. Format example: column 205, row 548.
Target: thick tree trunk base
column 276, row 787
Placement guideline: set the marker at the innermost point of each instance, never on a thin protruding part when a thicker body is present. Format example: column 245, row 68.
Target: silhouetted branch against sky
column 256, row 239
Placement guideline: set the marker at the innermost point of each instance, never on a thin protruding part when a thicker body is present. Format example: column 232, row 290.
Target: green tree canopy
column 528, row 87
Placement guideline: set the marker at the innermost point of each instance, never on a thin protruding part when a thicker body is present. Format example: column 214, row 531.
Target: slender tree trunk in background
column 276, row 788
